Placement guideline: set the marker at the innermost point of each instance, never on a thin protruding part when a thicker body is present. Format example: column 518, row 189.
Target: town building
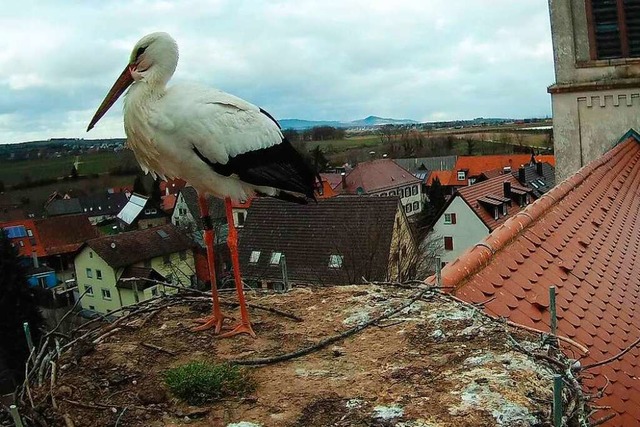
column 384, row 177
column 105, row 267
column 596, row 95
column 337, row 241
column 475, row 211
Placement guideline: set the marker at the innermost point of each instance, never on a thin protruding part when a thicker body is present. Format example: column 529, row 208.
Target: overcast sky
column 319, row 60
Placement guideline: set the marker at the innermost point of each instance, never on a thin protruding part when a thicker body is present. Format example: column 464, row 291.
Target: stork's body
column 219, row 143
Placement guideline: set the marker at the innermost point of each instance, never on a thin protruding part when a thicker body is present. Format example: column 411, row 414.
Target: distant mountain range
column 298, row 124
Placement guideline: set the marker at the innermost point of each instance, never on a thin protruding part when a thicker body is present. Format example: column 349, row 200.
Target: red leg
column 216, row 318
column 245, row 326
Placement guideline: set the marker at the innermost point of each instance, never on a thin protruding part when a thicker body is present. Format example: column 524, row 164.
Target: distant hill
column 370, row 121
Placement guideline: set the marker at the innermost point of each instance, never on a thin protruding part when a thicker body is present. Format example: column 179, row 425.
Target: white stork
column 219, row 143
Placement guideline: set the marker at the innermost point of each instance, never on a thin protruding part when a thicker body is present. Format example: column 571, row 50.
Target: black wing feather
column 280, row 166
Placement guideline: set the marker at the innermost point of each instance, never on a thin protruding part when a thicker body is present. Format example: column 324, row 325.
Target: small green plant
column 201, row 382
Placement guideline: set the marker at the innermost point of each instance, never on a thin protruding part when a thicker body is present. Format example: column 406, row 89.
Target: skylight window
column 335, row 261
column 533, row 183
column 275, row 258
column 255, row 256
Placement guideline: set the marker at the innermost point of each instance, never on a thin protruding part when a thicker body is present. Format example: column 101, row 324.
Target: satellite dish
column 113, row 245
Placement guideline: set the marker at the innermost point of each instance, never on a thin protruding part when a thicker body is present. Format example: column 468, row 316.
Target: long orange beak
column 118, row 88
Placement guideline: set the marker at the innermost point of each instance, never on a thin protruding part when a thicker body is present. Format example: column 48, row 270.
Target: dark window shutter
column 453, row 218
column 448, row 243
column 632, row 19
column 606, row 29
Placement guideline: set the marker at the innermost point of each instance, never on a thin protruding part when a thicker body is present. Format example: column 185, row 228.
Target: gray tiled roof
column 129, row 248
column 358, row 227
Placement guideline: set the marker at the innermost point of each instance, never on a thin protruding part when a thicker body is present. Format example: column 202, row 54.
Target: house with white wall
column 475, row 211
column 384, row 177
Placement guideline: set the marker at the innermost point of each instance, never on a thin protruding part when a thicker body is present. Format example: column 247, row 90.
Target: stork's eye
column 140, row 51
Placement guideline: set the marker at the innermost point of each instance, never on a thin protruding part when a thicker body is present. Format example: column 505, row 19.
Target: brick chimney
column 507, row 189
column 344, row 179
column 539, row 168
column 522, row 175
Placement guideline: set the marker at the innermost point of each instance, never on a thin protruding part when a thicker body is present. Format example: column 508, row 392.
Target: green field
column 14, row 172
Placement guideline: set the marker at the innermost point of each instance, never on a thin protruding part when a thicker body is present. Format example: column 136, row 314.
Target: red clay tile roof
column 583, row 237
column 377, row 175
column 26, row 249
column 443, row 176
column 482, row 196
column 65, row 234
column 334, row 179
column 475, row 165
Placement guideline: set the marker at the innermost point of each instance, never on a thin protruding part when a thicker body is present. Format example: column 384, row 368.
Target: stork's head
column 153, row 60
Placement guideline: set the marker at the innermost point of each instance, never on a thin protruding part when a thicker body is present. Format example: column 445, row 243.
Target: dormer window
column 462, row 175
column 504, row 209
column 496, row 213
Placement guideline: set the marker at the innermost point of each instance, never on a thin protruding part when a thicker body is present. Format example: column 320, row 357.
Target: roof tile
column 583, row 237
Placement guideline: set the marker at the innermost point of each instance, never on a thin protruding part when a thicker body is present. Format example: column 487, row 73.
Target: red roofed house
column 475, row 211
column 384, row 177
column 469, row 168
column 61, row 237
column 583, row 237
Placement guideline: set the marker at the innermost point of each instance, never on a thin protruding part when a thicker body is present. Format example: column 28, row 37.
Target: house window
column 407, row 192
column 448, row 243
column 21, row 243
column 183, row 255
column 241, row 216
column 407, row 208
column 29, row 233
column 182, row 211
column 449, row 218
column 154, row 291
column 42, row 282
column 88, row 290
column 99, row 274
column 166, row 259
column 106, row 294
column 496, row 213
column 392, row 193
column 275, row 258
column 89, row 273
column 462, row 175
column 504, row 209
column 255, row 256
column 416, row 206
column 90, row 254
column 613, row 28
column 383, row 194
column 92, row 307
column 335, row 261
column 414, row 190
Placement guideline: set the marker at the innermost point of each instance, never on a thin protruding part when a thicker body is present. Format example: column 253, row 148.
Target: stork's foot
column 209, row 322
column 242, row 328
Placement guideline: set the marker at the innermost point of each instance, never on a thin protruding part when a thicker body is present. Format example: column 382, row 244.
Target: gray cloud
column 423, row 59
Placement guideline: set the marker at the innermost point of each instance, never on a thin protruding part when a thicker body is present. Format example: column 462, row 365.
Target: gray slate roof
column 441, row 163
column 539, row 183
column 357, row 227
column 216, row 206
